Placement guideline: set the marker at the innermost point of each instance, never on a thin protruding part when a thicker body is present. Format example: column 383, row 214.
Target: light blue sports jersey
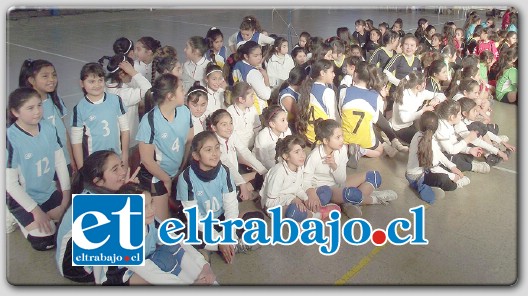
column 208, row 195
column 34, row 158
column 100, row 122
column 169, row 138
column 53, row 115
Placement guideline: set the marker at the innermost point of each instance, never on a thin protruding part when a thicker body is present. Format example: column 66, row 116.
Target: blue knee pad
column 168, row 258
column 294, row 213
column 374, row 178
column 425, row 191
column 325, row 194
column 352, row 195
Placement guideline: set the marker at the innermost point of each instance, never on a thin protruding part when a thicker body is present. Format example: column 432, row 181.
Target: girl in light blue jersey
column 33, row 156
column 164, row 136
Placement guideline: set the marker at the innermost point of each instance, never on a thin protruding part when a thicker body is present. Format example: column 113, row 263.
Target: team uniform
column 131, row 94
column 408, row 111
column 220, row 57
column 437, row 175
column 212, row 191
column 400, row 66
column 237, row 40
column 322, row 105
column 144, row 69
column 265, row 143
column 506, row 83
column 215, row 100
column 361, row 39
column 193, row 72
column 432, row 85
column 288, row 92
column 317, row 173
column 248, row 73
column 229, row 149
column 198, row 123
column 169, row 140
column 278, row 69
column 32, row 162
column 282, row 185
column 98, row 124
column 246, row 124
column 52, row 114
column 360, row 110
column 487, row 45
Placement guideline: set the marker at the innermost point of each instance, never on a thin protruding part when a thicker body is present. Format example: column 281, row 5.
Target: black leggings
column 406, row 134
column 385, row 127
column 462, row 161
column 439, row 180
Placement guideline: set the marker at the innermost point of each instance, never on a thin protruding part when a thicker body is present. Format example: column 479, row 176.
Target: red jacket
column 487, row 45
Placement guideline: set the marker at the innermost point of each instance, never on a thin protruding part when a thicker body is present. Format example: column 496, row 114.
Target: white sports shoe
column 438, row 192
column 463, row 182
column 480, row 167
column 352, row 211
column 353, row 158
column 504, row 138
column 389, row 150
column 383, row 196
column 11, row 224
column 399, row 146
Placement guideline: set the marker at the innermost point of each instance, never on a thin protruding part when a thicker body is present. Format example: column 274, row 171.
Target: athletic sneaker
column 438, row 192
column 11, row 224
column 383, row 196
column 493, row 159
column 241, row 247
column 353, row 156
column 463, row 182
column 325, row 210
column 480, row 167
column 399, row 146
column 504, row 138
column 389, row 150
column 352, row 211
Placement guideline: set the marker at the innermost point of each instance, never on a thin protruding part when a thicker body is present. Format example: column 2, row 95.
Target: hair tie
column 249, row 19
column 212, row 71
column 29, row 62
column 213, row 28
column 129, row 46
column 117, row 68
column 406, row 77
column 308, row 70
column 458, row 82
column 194, row 90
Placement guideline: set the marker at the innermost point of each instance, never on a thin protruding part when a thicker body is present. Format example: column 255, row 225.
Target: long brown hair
column 428, row 125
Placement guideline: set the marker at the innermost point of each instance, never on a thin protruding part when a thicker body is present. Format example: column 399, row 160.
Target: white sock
column 362, row 151
column 317, row 215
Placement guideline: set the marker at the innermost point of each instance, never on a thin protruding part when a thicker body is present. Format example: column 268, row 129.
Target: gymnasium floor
column 472, row 232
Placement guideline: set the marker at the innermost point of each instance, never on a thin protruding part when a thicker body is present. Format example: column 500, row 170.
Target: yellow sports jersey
column 359, row 112
column 315, row 112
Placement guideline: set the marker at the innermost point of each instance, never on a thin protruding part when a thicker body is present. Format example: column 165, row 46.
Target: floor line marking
column 365, row 260
column 505, row 170
column 43, row 51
